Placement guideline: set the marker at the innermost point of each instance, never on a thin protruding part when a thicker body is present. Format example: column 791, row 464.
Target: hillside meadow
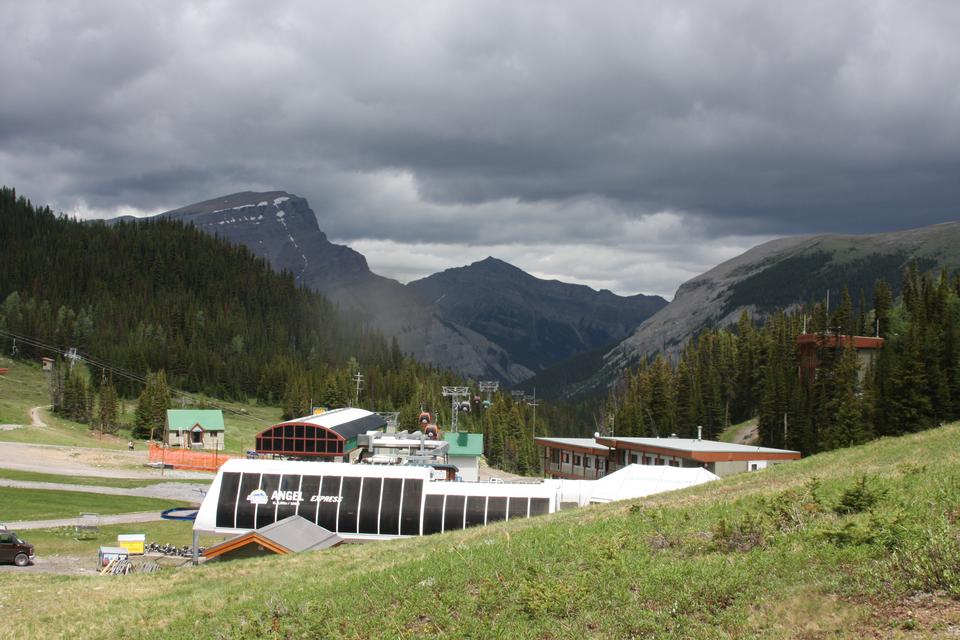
column 854, row 543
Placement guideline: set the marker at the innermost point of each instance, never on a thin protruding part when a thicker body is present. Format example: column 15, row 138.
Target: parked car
column 15, row 550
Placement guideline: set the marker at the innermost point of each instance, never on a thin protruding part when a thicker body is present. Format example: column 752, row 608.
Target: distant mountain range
column 774, row 275
column 539, row 322
column 486, row 320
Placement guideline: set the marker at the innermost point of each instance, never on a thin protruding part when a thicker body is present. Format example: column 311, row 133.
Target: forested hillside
column 157, row 294
column 161, row 296
column 727, row 376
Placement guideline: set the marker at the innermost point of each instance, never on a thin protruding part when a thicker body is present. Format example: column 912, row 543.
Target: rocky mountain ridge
column 496, row 323
column 540, row 322
column 780, row 274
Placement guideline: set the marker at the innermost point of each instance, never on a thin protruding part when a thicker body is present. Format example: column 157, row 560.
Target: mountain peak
column 241, row 199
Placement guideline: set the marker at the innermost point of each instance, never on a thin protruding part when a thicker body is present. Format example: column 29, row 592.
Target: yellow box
column 132, row 542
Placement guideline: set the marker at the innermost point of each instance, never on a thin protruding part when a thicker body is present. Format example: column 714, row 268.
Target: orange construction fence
column 188, row 458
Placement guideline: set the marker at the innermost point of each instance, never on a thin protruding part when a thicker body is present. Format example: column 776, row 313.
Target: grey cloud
column 509, row 124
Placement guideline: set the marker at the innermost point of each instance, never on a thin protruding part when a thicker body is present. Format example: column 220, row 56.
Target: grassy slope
column 730, row 433
column 65, row 541
column 26, row 387
column 756, row 555
column 44, row 504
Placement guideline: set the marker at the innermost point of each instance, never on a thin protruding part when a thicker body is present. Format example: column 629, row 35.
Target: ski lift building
column 331, row 435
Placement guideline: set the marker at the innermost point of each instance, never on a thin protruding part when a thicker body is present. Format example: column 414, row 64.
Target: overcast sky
column 627, row 146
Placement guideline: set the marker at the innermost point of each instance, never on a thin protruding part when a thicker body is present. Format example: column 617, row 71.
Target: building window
column 600, row 463
column 576, row 461
column 633, row 458
column 196, row 437
column 586, row 462
column 621, row 457
column 566, row 457
column 554, row 456
column 674, row 463
column 660, row 461
column 647, row 460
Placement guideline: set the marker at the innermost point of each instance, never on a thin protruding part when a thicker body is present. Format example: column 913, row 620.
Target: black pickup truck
column 15, row 550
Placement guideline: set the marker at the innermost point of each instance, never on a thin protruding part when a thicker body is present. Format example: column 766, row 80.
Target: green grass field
column 25, row 387
column 119, row 483
column 857, row 543
column 65, row 541
column 45, row 504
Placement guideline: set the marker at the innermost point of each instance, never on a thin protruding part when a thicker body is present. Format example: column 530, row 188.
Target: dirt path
column 35, row 419
column 119, row 518
column 169, row 490
column 749, row 434
column 485, row 472
column 84, row 461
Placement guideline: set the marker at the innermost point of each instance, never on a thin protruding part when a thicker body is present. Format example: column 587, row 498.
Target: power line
column 73, row 354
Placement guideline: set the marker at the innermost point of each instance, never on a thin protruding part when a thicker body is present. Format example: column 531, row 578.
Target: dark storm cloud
column 528, row 125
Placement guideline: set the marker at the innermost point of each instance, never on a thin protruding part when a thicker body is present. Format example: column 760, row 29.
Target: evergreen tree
column 152, row 406
column 107, row 412
column 882, row 306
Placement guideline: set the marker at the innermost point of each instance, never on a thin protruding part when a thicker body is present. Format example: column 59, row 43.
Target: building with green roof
column 464, row 452
column 195, row 428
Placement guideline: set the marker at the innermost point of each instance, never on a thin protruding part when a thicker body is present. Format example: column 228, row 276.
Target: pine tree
column 882, row 306
column 152, row 406
column 107, row 411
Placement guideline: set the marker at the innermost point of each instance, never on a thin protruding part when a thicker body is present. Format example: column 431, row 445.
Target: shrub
column 740, row 535
column 859, row 498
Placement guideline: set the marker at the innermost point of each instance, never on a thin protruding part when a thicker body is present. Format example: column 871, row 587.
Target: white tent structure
column 638, row 480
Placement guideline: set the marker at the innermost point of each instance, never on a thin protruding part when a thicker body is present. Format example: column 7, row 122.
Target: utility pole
column 358, row 378
column 73, row 357
column 455, row 393
column 532, row 401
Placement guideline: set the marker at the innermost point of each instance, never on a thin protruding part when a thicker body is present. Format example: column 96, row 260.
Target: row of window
column 384, row 506
column 623, row 458
column 578, row 461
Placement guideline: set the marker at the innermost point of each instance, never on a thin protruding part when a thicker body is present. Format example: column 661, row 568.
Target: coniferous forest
column 726, row 376
column 178, row 308
column 167, row 302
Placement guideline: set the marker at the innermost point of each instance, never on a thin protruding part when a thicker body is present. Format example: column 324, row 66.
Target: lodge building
column 592, row 458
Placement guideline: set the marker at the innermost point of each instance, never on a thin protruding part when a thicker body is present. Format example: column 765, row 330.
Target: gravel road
column 84, row 461
column 188, row 492
column 119, row 518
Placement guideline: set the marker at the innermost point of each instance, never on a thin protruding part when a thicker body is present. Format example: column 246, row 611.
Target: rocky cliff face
column 497, row 321
column 282, row 228
column 780, row 274
column 539, row 322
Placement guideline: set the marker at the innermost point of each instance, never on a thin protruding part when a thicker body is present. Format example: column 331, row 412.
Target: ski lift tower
column 455, row 393
column 489, row 387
